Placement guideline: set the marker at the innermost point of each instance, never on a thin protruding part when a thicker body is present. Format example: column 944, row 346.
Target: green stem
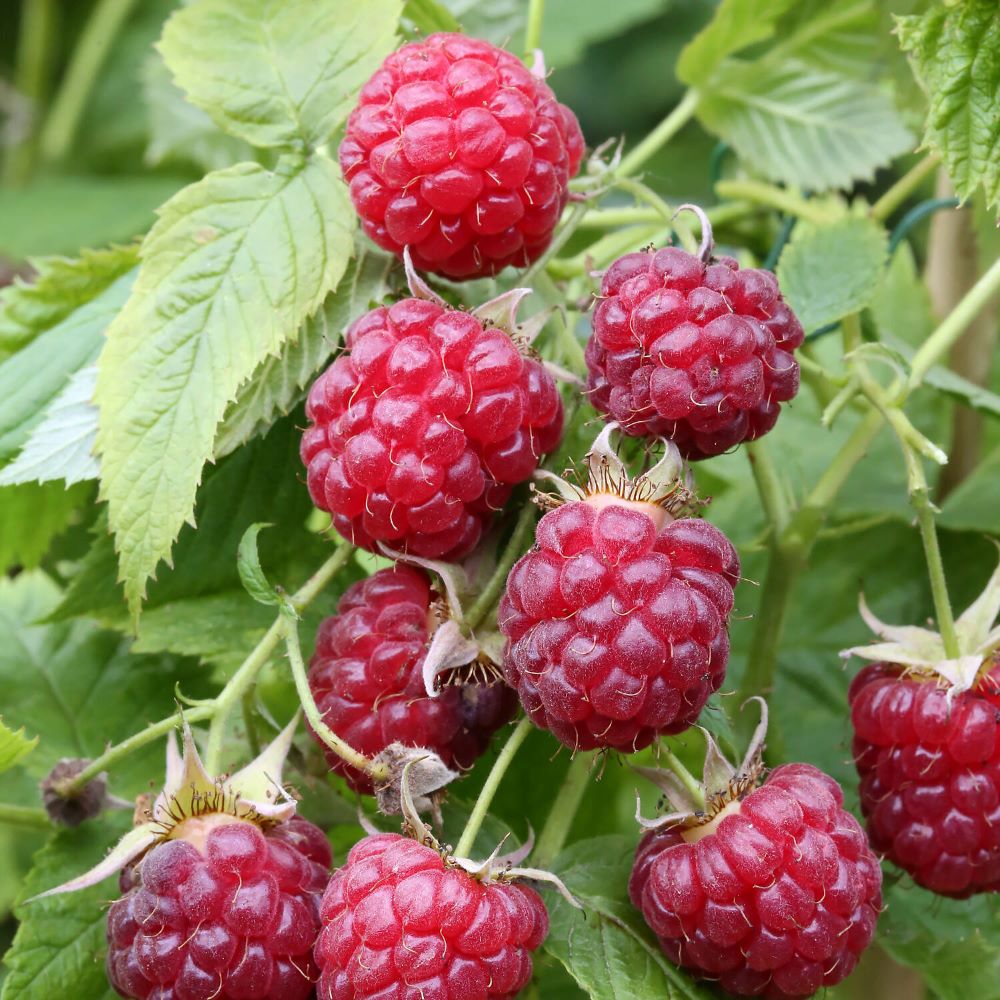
column 660, row 135
column 600, row 253
column 772, row 492
column 29, row 816
column 920, row 498
column 772, row 196
column 563, row 811
column 347, row 753
column 88, row 57
column 561, row 238
column 493, row 779
column 903, row 188
column 688, row 780
column 571, row 349
column 253, row 740
column 533, row 30
column 613, row 218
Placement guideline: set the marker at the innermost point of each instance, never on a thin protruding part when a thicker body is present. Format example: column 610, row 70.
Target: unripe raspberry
column 700, row 353
column 420, row 431
column 367, row 681
column 461, row 153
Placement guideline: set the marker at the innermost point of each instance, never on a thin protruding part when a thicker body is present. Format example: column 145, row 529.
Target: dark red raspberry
column 930, row 776
column 366, row 678
column 698, row 353
column 776, row 896
column 224, row 911
column 617, row 622
column 461, row 153
column 421, row 430
column 401, row 924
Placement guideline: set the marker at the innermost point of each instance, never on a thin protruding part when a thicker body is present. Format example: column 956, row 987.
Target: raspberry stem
column 773, row 495
column 774, row 197
column 563, row 810
column 490, row 787
column 24, row 816
column 660, row 135
column 533, row 29
column 694, row 787
column 903, row 188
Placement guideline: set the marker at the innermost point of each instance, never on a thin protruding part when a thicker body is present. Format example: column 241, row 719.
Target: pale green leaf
column 14, row 746
column 828, row 272
column 801, row 125
column 840, row 36
column 498, row 21
column 61, row 446
column 955, row 52
column 428, row 16
column 972, row 505
column 31, row 516
column 279, row 382
column 252, row 576
column 572, row 25
column 901, row 306
column 232, row 268
column 279, row 73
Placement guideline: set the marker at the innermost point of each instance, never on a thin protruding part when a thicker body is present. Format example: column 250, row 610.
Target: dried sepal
column 448, row 651
column 707, row 244
column 415, row 774
column 501, row 312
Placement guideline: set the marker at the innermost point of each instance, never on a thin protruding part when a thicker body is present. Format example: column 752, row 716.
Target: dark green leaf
column 31, row 516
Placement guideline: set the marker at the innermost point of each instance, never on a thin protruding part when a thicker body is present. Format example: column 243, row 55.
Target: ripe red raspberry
column 461, row 153
column 777, row 895
column 420, row 431
column 366, row 678
column 399, row 922
column 616, row 621
column 930, row 776
column 226, row 910
column 698, row 353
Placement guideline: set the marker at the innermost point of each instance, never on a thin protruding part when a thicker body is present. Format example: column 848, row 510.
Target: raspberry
column 777, row 895
column 398, row 922
column 225, row 910
column 461, row 153
column 366, row 678
column 616, row 622
column 422, row 429
column 930, row 776
column 699, row 353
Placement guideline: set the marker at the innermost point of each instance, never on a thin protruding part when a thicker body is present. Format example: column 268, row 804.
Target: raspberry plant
column 515, row 391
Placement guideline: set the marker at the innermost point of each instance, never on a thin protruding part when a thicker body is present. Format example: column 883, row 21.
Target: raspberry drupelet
column 461, row 153
column 421, row 430
column 366, row 678
column 616, row 621
column 692, row 348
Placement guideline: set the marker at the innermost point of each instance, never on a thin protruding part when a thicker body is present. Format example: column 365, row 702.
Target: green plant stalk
column 533, row 29
column 561, row 238
column 572, row 351
column 773, row 495
column 603, row 251
column 563, row 811
column 903, row 188
column 85, row 64
column 920, row 498
column 613, row 218
column 489, row 790
column 687, row 779
column 660, row 136
column 30, row 816
column 773, row 197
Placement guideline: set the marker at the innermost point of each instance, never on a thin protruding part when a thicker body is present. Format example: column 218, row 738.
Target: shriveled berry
column 779, row 898
column 930, row 776
column 397, row 922
column 420, row 431
column 458, row 151
column 617, row 622
column 366, row 678
column 699, row 353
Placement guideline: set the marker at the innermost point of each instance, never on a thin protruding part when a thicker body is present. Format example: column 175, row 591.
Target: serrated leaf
column 14, row 746
column 828, row 272
column 801, row 125
column 60, row 939
column 955, row 53
column 31, row 516
column 279, row 382
column 281, row 73
column 901, row 306
column 62, row 445
column 840, row 36
column 232, row 268
column 736, row 25
column 60, row 286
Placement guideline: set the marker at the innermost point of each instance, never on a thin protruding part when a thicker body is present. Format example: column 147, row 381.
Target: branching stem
column 660, row 136
column 563, row 811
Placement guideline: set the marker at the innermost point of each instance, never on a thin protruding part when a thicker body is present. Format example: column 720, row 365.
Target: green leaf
column 60, row 286
column 14, row 746
column 736, row 25
column 801, row 125
column 955, row 52
column 609, row 951
column 61, row 446
column 255, row 583
column 279, row 73
column 279, row 382
column 232, row 268
column 901, row 306
column 972, row 505
column 840, row 36
column 828, row 272
column 428, row 16
column 498, row 21
column 61, row 938
column 572, row 25
column 31, row 516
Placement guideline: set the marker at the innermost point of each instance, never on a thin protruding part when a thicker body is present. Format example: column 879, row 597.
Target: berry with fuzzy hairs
column 367, row 681
column 777, row 895
column 224, row 910
column 460, row 152
column 399, row 922
column 930, row 775
column 420, row 431
column 701, row 353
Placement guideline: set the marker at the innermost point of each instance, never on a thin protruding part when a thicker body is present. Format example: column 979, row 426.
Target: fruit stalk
column 903, row 188
column 28, row 816
column 564, row 809
column 533, row 30
column 920, row 498
column 660, row 135
column 772, row 196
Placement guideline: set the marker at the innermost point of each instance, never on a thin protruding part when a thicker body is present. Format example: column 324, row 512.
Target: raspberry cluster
column 930, row 776
column 698, row 353
column 419, row 432
column 459, row 152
